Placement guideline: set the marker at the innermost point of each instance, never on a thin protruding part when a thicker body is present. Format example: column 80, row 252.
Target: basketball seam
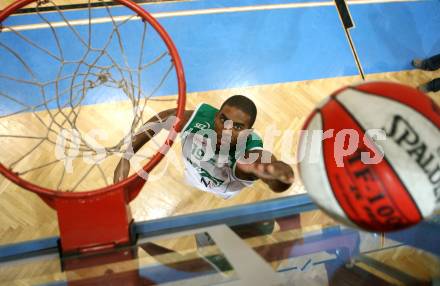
column 394, row 100
column 384, row 155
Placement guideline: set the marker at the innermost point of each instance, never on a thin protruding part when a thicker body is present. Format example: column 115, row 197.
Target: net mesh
column 75, row 86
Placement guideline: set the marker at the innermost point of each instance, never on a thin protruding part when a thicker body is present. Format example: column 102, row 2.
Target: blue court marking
column 389, row 35
column 262, row 47
column 227, row 50
column 240, row 49
column 156, row 8
column 46, row 68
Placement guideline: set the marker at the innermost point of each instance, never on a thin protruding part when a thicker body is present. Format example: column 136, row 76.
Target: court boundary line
column 209, row 11
column 94, row 5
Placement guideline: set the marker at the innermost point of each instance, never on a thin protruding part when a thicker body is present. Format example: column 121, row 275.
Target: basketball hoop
column 98, row 218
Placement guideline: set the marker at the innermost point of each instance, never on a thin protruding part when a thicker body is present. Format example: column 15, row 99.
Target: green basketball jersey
column 206, row 169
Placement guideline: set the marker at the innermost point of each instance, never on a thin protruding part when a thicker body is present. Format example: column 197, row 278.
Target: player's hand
column 121, row 171
column 278, row 171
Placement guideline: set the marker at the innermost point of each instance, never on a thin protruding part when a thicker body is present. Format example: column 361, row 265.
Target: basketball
column 369, row 156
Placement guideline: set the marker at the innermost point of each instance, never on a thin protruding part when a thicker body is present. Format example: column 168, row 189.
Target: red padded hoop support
column 101, row 218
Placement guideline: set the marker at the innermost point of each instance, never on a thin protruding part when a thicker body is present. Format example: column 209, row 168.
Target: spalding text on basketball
column 406, row 136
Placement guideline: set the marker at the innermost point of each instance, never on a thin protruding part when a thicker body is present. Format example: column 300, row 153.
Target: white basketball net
column 74, row 87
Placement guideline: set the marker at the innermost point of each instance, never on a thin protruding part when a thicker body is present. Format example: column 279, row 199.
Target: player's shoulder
column 205, row 108
column 205, row 112
column 201, row 118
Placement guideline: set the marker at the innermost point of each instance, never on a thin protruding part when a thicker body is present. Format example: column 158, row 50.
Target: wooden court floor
column 284, row 106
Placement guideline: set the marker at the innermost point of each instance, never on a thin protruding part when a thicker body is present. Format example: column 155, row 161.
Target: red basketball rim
column 131, row 182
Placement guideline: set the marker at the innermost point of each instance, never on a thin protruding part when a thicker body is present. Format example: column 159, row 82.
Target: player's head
column 245, row 105
column 241, row 111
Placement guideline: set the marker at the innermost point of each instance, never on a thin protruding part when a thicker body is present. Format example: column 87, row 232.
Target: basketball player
column 222, row 154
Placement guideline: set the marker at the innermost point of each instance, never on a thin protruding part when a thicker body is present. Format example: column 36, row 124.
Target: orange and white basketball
column 370, row 156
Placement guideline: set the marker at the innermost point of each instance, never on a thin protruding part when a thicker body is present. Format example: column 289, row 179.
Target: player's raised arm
column 276, row 174
column 163, row 120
